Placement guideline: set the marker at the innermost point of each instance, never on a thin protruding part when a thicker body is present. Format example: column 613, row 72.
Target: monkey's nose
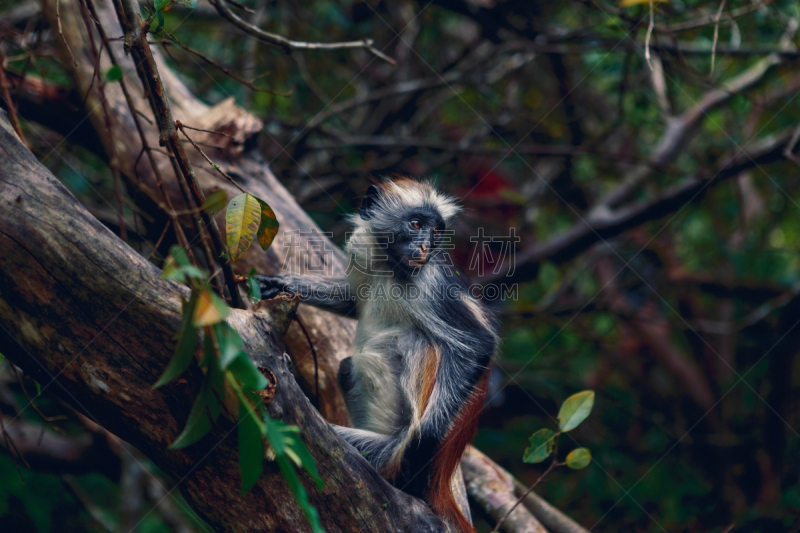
column 423, row 250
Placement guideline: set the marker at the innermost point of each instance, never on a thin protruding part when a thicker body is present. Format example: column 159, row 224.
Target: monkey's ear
column 371, row 198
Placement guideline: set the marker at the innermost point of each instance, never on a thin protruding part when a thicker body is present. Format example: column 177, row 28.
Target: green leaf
column 184, row 350
column 251, row 447
column 174, row 271
column 215, row 201
column 114, row 73
column 180, row 256
column 268, row 227
column 230, row 344
column 541, row 446
column 191, row 4
column 253, row 288
column 210, row 309
column 579, row 458
column 198, row 423
column 160, row 19
column 575, row 409
column 161, row 4
column 246, row 372
column 242, row 222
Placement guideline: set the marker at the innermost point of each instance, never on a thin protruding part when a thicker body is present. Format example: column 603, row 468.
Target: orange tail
column 448, row 455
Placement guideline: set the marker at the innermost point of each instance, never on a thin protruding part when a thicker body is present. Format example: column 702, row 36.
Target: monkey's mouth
column 419, row 262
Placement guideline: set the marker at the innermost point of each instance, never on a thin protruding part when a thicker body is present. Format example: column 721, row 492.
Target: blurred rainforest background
column 646, row 161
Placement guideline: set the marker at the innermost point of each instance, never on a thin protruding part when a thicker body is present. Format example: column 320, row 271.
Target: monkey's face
column 416, row 237
column 407, row 224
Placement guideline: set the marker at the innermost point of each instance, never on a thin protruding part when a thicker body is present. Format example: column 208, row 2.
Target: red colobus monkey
column 418, row 374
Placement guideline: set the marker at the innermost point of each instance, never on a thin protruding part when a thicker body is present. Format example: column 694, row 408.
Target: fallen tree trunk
column 89, row 318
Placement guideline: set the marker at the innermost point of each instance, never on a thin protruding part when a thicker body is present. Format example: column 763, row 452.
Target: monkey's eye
column 437, row 232
column 415, row 223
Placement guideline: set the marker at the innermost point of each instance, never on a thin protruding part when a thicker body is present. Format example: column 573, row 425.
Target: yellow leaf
column 268, row 227
column 242, row 221
column 210, row 309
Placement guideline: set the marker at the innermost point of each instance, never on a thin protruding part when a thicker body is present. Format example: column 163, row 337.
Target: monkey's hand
column 271, row 286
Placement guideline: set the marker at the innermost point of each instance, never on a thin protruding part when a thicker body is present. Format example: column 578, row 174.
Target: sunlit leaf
column 114, row 73
column 215, row 201
column 579, row 458
column 575, row 409
column 184, row 350
column 268, row 227
column 541, row 446
column 210, row 309
column 242, row 221
column 198, row 423
column 191, row 4
column 251, row 447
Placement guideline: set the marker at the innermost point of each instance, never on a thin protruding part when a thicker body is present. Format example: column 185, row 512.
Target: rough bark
column 89, row 318
column 494, row 492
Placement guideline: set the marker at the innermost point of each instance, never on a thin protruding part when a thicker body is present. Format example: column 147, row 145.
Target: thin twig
column 161, row 238
column 716, row 35
column 225, row 70
column 240, row 6
column 61, row 34
column 167, row 207
column 314, row 355
column 790, row 146
column 522, row 498
column 149, row 121
column 647, row 39
column 287, row 44
column 210, row 162
column 112, row 146
column 12, row 110
column 136, row 44
column 208, row 131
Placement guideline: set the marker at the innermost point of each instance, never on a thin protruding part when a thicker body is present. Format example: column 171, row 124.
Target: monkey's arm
column 334, row 295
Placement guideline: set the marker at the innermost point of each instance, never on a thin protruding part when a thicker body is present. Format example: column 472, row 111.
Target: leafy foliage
column 541, row 447
column 228, row 369
column 574, row 410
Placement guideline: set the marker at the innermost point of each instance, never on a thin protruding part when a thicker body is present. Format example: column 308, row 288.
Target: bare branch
column 681, row 128
column 288, row 45
column 716, row 34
